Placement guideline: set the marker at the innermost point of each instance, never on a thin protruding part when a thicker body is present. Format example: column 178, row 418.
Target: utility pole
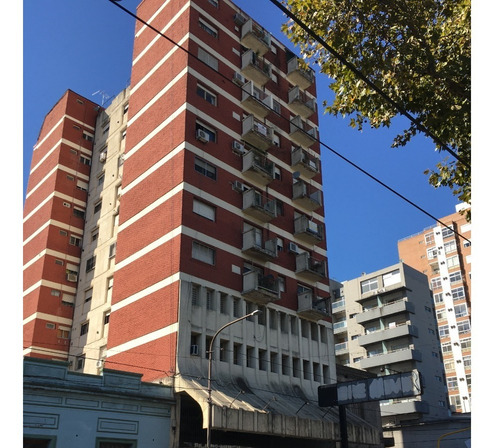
column 210, row 353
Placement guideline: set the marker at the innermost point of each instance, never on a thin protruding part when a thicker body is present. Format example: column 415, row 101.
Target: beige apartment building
column 384, row 323
column 443, row 253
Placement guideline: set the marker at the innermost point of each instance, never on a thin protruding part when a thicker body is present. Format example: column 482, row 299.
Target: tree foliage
column 416, row 51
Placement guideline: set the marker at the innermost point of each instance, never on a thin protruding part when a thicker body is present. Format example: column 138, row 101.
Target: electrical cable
column 372, row 85
column 281, row 116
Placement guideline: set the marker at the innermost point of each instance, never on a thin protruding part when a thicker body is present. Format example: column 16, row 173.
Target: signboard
column 406, row 384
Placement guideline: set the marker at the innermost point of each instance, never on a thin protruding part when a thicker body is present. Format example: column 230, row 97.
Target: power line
column 361, row 76
column 281, row 116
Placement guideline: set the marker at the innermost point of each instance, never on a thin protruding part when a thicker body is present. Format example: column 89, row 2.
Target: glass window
column 208, row 59
column 369, row 285
column 429, row 238
column 391, row 278
column 203, row 253
column 431, row 253
column 206, row 95
column 447, row 232
column 461, row 310
column 436, row 283
column 438, row 298
column 208, row 28
column 205, row 168
column 458, row 293
column 444, row 331
column 203, row 209
column 453, row 261
column 463, row 327
column 450, row 246
column 455, row 277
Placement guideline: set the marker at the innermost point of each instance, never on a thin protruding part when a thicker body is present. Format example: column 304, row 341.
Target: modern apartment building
column 53, row 225
column 384, row 323
column 205, row 204
column 443, row 253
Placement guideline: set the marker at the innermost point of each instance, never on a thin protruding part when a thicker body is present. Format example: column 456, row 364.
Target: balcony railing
column 255, row 37
column 254, row 204
column 254, row 246
column 259, row 288
column 339, row 327
column 313, row 307
column 299, row 74
column 309, row 231
column 302, row 133
column 257, row 133
column 258, row 168
column 338, row 305
column 388, row 309
column 386, row 334
column 305, row 163
column 255, row 68
column 305, row 198
column 393, row 357
column 255, row 100
column 309, row 267
column 300, row 103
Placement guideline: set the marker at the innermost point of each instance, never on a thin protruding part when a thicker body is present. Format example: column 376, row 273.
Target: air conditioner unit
column 71, row 277
column 194, row 350
column 238, row 147
column 102, row 156
column 239, row 19
column 293, row 248
column 238, row 78
column 202, row 136
column 238, row 186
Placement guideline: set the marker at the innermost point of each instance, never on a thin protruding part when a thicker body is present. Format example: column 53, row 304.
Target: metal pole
column 210, row 351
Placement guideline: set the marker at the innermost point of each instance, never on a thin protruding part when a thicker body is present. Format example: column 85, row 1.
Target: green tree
column 416, row 51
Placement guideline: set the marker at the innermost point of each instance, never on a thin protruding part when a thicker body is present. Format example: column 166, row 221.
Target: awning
column 278, row 410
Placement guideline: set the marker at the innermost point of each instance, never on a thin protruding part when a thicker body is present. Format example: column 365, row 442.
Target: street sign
column 405, row 384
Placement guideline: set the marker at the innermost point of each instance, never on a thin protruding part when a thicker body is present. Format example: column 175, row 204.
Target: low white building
column 113, row 410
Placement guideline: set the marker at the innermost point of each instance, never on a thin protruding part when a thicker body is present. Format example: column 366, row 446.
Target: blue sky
column 86, row 46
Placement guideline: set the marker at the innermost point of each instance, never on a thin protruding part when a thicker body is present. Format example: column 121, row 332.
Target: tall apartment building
column 384, row 323
column 204, row 205
column 53, row 224
column 445, row 258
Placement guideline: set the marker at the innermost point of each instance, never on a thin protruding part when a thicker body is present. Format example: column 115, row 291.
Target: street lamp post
column 209, row 423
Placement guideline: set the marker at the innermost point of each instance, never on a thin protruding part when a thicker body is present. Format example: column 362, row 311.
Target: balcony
column 340, row 327
column 254, row 246
column 302, row 196
column 405, row 407
column 300, row 103
column 302, row 133
column 308, row 231
column 309, row 267
column 299, row 74
column 388, row 333
column 408, row 354
column 305, row 163
column 255, row 68
column 381, row 292
column 313, row 307
column 341, row 348
column 255, row 37
column 260, row 289
column 257, row 133
column 338, row 306
column 398, row 307
column 255, row 100
column 258, row 168
column 255, row 205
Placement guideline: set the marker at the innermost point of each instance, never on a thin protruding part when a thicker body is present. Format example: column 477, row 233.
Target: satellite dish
column 296, row 174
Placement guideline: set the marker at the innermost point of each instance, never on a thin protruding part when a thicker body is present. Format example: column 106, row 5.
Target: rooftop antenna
column 104, row 96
